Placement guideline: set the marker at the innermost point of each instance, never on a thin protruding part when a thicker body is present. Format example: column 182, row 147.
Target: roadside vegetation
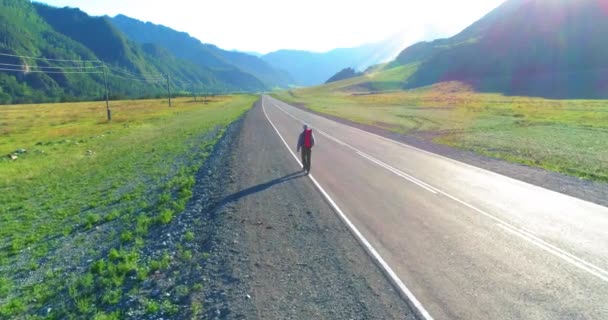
column 81, row 199
column 567, row 136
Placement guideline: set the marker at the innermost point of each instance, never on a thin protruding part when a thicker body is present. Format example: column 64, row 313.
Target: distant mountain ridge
column 312, row 68
column 547, row 48
column 184, row 46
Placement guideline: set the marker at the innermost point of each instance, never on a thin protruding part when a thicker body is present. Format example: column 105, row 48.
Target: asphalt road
column 277, row 250
column 463, row 242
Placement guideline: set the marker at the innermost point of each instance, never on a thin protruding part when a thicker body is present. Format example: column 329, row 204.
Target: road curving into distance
column 463, row 242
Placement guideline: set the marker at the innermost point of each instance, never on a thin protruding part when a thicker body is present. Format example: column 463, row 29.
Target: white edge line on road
column 459, row 162
column 398, row 173
column 550, row 248
column 417, row 306
column 522, row 233
column 368, row 157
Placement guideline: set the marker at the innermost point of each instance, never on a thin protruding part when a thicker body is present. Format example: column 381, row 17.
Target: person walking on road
column 305, row 142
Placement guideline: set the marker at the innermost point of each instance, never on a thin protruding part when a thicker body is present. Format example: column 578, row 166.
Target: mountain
column 343, row 74
column 23, row 31
column 186, row 47
column 35, row 39
column 251, row 53
column 311, row 68
column 546, row 48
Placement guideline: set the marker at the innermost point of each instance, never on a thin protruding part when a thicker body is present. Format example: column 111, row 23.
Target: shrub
column 189, row 236
column 165, row 216
column 126, row 236
column 114, row 255
column 98, row 267
column 5, row 287
column 112, row 215
column 112, row 297
column 91, row 220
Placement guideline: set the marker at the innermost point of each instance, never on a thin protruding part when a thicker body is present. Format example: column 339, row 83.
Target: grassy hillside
column 568, row 136
column 343, row 74
column 81, row 203
column 186, row 47
column 31, row 30
column 378, row 78
column 552, row 49
column 23, row 31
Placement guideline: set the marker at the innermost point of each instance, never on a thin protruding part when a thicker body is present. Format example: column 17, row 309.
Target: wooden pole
column 105, row 76
column 169, row 89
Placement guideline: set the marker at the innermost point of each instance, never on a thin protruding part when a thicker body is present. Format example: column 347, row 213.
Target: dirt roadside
column 591, row 191
column 276, row 248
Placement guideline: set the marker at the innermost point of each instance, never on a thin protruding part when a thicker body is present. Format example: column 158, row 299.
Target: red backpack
column 308, row 138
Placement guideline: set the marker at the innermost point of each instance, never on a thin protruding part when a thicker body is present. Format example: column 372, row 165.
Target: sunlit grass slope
column 379, row 78
column 568, row 136
column 85, row 186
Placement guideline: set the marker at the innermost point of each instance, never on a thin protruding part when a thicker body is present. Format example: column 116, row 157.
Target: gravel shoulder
column 276, row 248
column 591, row 191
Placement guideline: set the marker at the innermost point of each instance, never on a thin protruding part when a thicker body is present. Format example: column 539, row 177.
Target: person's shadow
column 261, row 187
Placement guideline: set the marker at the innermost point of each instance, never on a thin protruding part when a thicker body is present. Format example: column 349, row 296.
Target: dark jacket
column 301, row 140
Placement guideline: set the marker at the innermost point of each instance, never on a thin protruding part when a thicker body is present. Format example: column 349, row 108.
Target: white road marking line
column 462, row 163
column 522, row 233
column 564, row 255
column 368, row 157
column 404, row 291
column 332, row 138
column 398, row 173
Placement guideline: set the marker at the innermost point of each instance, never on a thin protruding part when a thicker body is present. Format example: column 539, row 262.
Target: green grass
column 100, row 204
column 567, row 136
column 189, row 236
column 56, row 177
column 381, row 78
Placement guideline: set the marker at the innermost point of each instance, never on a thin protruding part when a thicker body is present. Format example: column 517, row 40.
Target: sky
column 263, row 26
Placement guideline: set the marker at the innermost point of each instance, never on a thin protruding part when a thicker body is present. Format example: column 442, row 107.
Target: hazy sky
column 316, row 25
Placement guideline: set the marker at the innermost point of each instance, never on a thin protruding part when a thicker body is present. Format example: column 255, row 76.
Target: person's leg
column 303, row 158
column 307, row 159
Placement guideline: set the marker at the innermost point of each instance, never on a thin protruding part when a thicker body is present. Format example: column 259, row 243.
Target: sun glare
column 315, row 25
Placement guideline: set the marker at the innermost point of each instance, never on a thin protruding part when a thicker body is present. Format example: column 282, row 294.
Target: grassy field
column 567, row 136
column 78, row 202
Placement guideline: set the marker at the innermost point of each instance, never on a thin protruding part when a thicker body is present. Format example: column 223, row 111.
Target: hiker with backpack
column 305, row 142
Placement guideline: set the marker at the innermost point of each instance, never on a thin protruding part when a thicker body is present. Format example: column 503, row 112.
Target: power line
column 49, row 59
column 77, row 69
column 136, row 79
column 49, row 67
column 135, row 74
column 96, row 69
column 45, row 71
column 129, row 75
column 141, row 78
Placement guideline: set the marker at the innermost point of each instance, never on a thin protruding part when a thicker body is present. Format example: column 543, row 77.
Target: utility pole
column 105, row 77
column 169, row 89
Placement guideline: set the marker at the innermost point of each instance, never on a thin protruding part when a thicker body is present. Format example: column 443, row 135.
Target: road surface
column 462, row 242
column 277, row 250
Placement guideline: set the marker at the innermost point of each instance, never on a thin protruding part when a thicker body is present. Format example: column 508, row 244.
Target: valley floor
column 182, row 212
